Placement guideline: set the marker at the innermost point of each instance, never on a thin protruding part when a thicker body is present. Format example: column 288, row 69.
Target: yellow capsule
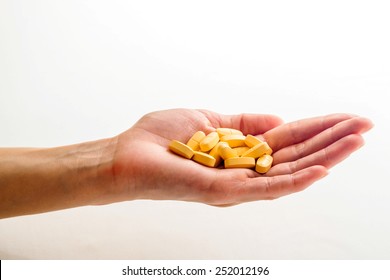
column 225, row 151
column 257, row 151
column 204, row 159
column 222, row 131
column 234, row 140
column 215, row 153
column 264, row 163
column 209, row 141
column 181, row 149
column 240, row 162
column 252, row 141
column 241, row 150
column 194, row 141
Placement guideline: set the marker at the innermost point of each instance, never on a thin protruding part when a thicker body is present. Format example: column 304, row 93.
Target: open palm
column 303, row 151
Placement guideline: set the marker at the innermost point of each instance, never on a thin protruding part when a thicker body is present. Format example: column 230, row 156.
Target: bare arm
column 41, row 180
column 137, row 165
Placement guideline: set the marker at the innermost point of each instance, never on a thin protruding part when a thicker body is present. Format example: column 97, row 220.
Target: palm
column 303, row 151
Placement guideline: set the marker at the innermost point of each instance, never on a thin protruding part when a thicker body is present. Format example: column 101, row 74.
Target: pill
column 225, row 151
column 194, row 141
column 240, row 162
column 252, row 141
column 264, row 163
column 209, row 141
column 204, row 159
column 234, row 140
column 257, row 151
column 181, row 149
column 215, row 153
column 227, row 131
column 241, row 150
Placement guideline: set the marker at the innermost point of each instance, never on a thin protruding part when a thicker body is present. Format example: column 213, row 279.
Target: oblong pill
column 234, row 140
column 225, row 151
column 240, row 162
column 222, row 131
column 181, row 149
column 209, row 141
column 257, row 151
column 241, row 150
column 194, row 141
column 204, row 159
column 264, row 163
column 252, row 141
column 215, row 153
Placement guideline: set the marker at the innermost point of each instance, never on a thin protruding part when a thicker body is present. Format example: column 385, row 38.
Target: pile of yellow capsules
column 228, row 145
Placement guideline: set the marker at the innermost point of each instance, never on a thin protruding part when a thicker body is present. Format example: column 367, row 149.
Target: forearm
column 40, row 180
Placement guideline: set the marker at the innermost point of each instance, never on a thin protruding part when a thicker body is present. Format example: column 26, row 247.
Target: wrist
column 91, row 165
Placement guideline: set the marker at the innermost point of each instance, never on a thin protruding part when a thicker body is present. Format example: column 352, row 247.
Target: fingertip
column 361, row 124
column 276, row 120
column 263, row 122
column 367, row 124
column 353, row 142
column 258, row 123
column 315, row 171
column 306, row 177
column 269, row 122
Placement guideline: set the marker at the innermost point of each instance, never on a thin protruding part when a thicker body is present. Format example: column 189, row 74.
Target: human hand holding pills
column 235, row 159
column 300, row 152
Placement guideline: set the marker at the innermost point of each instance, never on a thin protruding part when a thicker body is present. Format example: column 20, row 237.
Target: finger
column 298, row 131
column 260, row 188
column 247, row 123
column 322, row 140
column 327, row 157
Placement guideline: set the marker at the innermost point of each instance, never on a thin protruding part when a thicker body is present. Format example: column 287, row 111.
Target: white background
column 74, row 71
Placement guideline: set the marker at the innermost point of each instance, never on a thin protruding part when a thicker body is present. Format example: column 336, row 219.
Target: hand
column 304, row 150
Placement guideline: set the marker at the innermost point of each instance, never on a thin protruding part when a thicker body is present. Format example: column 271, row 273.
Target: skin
column 137, row 164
